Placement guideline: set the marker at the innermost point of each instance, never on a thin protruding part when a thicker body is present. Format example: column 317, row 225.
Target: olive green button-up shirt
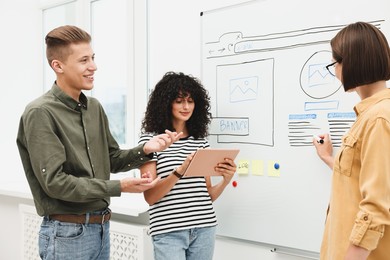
column 359, row 211
column 68, row 153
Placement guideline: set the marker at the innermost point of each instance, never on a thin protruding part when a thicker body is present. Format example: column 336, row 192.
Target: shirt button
column 129, row 165
column 365, row 218
column 139, row 152
column 142, row 159
column 43, row 170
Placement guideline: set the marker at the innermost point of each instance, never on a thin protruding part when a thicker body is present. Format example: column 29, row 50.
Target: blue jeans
column 63, row 241
column 188, row 244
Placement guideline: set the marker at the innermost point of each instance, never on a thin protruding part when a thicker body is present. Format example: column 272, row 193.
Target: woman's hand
column 183, row 167
column 324, row 149
column 227, row 169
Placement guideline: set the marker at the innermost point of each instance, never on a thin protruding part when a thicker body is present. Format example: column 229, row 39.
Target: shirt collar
column 368, row 102
column 69, row 101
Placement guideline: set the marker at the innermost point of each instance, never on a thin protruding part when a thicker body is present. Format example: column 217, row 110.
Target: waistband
column 88, row 218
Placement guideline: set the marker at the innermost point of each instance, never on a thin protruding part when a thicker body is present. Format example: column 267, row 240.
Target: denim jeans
column 63, row 241
column 188, row 244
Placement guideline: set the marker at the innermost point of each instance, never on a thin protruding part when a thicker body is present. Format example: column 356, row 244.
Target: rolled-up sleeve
column 364, row 234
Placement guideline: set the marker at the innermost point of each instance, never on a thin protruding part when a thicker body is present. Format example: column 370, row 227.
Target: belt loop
column 106, row 212
column 103, row 215
column 86, row 218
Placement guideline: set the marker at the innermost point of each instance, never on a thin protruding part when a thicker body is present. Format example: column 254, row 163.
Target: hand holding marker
column 318, row 139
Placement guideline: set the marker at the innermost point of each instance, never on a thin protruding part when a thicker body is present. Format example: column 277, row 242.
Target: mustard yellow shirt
column 359, row 211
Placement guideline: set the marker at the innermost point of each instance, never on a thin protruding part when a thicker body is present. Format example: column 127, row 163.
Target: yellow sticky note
column 257, row 167
column 243, row 167
column 273, row 169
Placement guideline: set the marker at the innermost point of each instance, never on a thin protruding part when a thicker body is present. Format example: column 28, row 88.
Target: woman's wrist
column 177, row 173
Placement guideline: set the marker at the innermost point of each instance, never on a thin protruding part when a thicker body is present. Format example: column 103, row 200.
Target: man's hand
column 161, row 142
column 138, row 185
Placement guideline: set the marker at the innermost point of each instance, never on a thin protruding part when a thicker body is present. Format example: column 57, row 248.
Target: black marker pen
column 318, row 139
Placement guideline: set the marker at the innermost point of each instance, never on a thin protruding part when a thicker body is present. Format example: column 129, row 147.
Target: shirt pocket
column 346, row 156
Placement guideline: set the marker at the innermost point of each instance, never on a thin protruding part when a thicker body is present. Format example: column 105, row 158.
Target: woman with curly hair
column 182, row 217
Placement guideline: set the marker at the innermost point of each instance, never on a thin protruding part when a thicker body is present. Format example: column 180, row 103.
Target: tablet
column 204, row 161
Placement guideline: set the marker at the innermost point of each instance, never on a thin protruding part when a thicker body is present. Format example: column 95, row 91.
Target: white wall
column 174, row 35
column 21, row 70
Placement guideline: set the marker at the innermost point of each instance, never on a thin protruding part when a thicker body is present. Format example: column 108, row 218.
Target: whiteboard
column 263, row 63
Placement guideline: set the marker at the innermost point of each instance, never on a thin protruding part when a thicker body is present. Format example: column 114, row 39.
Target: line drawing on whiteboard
column 319, row 75
column 339, row 124
column 243, row 89
column 236, row 126
column 301, row 129
column 235, row 43
column 244, row 84
column 315, row 80
column 322, row 105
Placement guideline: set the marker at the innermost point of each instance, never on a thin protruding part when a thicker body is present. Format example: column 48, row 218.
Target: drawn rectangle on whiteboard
column 229, row 126
column 322, row 105
column 284, row 41
column 253, row 80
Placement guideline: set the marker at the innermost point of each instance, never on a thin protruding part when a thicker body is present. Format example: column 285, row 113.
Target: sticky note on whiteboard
column 243, row 167
column 257, row 167
column 273, row 169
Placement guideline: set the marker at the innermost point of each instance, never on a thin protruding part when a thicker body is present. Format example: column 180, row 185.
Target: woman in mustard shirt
column 358, row 221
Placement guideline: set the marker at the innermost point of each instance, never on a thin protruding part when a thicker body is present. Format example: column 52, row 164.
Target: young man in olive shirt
column 68, row 153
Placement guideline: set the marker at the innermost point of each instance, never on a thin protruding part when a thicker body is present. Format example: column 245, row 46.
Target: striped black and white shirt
column 188, row 204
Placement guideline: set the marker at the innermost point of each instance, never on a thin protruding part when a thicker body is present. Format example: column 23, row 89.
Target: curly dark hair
column 158, row 115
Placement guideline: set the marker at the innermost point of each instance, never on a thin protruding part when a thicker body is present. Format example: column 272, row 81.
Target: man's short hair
column 59, row 39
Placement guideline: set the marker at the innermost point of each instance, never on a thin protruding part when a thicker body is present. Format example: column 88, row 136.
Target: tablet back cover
column 205, row 160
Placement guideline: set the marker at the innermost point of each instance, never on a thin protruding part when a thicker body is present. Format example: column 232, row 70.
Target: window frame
column 137, row 58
